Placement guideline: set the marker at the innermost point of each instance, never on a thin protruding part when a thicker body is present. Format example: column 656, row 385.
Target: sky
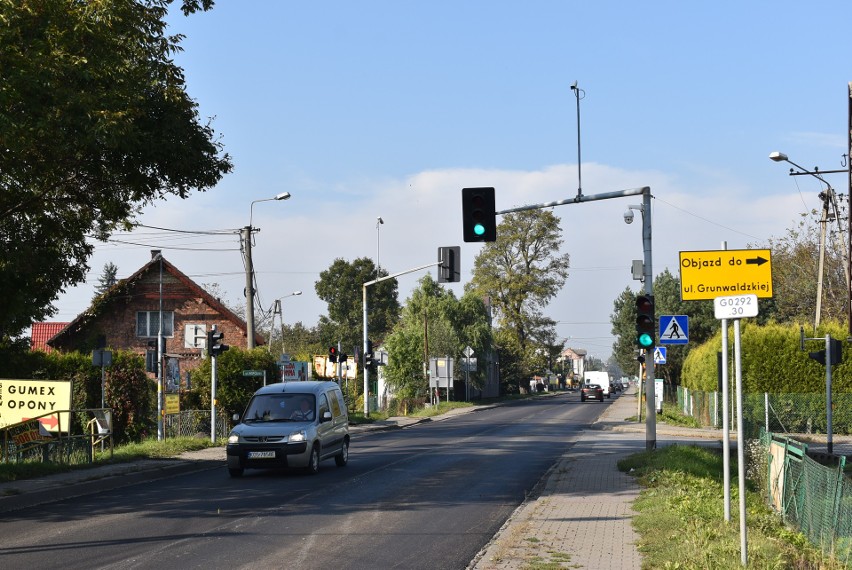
column 388, row 109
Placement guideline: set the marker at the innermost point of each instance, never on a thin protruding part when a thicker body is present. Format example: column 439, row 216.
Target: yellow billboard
column 21, row 400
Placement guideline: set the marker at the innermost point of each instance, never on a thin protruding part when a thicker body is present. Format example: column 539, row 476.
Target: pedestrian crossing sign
column 674, row 329
column 660, row 355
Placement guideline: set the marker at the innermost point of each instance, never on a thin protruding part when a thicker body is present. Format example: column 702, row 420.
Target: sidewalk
column 581, row 514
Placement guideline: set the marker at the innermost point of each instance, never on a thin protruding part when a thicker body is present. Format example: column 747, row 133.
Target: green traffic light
column 645, row 340
column 479, row 229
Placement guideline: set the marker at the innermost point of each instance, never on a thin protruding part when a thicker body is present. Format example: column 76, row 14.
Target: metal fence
column 800, row 416
column 815, row 499
column 193, row 423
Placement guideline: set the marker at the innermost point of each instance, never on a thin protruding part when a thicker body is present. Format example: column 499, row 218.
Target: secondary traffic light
column 368, row 355
column 449, row 271
column 646, row 325
column 332, row 354
column 215, row 346
column 478, row 214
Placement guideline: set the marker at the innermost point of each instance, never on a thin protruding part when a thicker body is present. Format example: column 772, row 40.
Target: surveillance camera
column 628, row 217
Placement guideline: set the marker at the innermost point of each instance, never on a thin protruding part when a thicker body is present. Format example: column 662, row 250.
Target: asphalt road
column 429, row 496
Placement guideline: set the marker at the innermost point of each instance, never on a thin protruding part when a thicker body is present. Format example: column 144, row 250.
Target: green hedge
column 772, row 360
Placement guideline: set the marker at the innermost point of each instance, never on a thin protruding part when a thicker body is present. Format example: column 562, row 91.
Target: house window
column 148, row 323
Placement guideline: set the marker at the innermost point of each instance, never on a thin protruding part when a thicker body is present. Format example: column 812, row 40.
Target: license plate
column 261, row 455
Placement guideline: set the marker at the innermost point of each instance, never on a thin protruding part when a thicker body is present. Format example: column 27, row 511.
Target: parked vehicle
column 290, row 424
column 591, row 392
column 601, row 379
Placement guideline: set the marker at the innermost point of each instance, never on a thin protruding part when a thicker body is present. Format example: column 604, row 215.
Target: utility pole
column 246, row 237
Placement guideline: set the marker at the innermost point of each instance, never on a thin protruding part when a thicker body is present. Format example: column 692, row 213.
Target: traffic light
column 449, row 271
column 836, row 353
column 342, row 357
column 478, row 214
column 368, row 355
column 215, row 346
column 646, row 325
column 332, row 354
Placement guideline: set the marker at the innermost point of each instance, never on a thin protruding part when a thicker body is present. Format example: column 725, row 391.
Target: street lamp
column 379, row 222
column 277, row 310
column 577, row 91
column 828, row 198
column 246, row 239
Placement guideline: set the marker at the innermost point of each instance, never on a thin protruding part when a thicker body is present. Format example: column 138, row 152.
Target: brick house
column 126, row 316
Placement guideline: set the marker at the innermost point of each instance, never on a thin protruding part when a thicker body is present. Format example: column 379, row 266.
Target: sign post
column 736, row 307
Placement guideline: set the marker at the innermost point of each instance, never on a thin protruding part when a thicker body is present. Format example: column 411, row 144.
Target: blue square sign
column 674, row 329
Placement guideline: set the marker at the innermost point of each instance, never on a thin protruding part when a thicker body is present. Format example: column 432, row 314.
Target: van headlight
column 297, row 436
column 233, row 438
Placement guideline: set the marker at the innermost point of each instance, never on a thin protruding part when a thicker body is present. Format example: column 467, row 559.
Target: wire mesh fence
column 815, row 499
column 194, row 423
column 802, row 416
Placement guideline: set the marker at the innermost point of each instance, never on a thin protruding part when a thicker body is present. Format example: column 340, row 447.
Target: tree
column 95, row 123
column 795, row 271
column 341, row 286
column 435, row 324
column 107, row 279
column 521, row 272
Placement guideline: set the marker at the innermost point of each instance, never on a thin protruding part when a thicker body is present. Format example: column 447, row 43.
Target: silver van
column 290, row 424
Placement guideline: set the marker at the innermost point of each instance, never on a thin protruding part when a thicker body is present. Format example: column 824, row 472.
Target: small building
column 127, row 316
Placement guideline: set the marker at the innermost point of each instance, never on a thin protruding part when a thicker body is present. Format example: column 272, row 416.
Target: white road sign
column 735, row 306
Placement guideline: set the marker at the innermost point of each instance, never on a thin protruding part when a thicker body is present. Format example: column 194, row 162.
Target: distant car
column 591, row 392
column 291, row 424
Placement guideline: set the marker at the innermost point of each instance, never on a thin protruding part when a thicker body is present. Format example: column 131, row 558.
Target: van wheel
column 235, row 471
column 342, row 458
column 314, row 461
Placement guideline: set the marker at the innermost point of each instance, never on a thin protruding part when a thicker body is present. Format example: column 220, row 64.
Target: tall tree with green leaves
column 95, row 123
column 435, row 324
column 521, row 272
column 341, row 286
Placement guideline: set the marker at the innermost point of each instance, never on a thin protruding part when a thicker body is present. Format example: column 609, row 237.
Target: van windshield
column 281, row 408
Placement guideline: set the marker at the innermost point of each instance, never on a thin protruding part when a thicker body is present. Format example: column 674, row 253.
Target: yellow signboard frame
column 705, row 275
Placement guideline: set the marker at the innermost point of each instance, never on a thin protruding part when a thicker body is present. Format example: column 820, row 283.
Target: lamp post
column 246, row 239
column 379, row 222
column 276, row 310
column 829, row 198
column 577, row 92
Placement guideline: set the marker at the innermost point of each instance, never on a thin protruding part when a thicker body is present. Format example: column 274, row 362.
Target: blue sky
column 389, row 108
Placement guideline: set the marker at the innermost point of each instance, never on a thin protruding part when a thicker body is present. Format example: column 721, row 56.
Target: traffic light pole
column 648, row 277
column 366, row 335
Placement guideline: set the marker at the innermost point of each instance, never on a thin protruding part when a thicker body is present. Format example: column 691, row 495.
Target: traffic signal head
column 215, row 346
column 449, row 270
column 646, row 324
column 368, row 355
column 332, row 354
column 479, row 214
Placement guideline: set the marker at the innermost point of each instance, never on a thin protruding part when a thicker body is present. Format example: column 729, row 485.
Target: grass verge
column 681, row 524
column 149, row 449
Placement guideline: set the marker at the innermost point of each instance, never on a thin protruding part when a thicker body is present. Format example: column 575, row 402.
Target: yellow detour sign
column 21, row 400
column 705, row 275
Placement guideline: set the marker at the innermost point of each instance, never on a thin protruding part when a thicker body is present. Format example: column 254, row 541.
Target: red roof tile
column 42, row 332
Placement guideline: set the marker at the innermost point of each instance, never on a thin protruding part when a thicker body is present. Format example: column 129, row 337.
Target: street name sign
column 735, row 306
column 705, row 275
